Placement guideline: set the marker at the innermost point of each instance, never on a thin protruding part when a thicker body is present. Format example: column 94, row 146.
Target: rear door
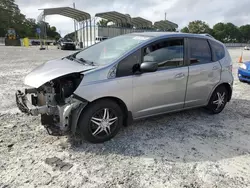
column 204, row 73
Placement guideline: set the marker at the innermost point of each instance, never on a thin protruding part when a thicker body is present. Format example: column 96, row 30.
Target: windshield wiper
column 87, row 62
column 80, row 60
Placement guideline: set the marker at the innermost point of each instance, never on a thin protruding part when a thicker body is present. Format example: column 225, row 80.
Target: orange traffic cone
column 240, row 59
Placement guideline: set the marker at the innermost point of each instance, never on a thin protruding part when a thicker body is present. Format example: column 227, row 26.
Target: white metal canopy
column 115, row 17
column 165, row 25
column 141, row 22
column 75, row 14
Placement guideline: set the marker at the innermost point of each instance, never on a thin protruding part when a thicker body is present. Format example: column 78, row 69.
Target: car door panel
column 159, row 92
column 203, row 77
column 201, row 81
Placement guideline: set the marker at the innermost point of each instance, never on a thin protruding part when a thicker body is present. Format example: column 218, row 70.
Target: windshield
column 109, row 50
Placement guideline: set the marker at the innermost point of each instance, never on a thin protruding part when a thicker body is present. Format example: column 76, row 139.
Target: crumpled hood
column 53, row 69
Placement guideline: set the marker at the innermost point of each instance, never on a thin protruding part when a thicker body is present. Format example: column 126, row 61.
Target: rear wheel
column 218, row 100
column 100, row 121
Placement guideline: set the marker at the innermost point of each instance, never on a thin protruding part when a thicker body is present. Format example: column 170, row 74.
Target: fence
column 236, row 44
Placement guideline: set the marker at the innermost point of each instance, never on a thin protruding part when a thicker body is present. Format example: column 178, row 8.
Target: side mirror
column 148, row 67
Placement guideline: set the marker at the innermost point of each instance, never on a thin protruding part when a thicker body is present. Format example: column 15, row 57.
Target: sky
column 178, row 11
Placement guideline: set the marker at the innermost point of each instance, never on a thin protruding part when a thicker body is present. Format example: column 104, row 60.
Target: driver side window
column 167, row 53
column 129, row 64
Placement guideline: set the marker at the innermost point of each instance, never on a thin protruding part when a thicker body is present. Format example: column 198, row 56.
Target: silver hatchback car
column 95, row 91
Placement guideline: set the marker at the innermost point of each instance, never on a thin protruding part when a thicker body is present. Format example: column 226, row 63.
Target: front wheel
column 218, row 100
column 100, row 121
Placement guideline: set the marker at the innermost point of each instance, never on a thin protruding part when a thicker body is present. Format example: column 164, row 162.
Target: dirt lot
column 188, row 149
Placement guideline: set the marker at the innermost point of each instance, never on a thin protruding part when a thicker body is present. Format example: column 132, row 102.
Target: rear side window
column 200, row 51
column 217, row 50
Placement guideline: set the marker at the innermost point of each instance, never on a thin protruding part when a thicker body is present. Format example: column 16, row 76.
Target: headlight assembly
column 243, row 66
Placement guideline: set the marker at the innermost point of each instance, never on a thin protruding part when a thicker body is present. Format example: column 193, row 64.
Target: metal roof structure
column 141, row 22
column 165, row 25
column 78, row 15
column 115, row 17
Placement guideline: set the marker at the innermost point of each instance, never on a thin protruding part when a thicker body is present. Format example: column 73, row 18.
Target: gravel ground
column 189, row 149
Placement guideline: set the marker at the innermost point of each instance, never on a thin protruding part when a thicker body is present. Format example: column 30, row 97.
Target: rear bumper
column 244, row 75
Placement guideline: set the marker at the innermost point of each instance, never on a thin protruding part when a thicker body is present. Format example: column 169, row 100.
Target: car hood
column 53, row 69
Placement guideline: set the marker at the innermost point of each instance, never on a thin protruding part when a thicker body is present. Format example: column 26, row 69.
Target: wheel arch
column 128, row 118
column 227, row 86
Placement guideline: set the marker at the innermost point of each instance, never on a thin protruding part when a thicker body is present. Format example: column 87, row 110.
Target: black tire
column 214, row 108
column 86, row 128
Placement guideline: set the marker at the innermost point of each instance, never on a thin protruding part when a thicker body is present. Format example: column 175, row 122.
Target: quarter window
column 218, row 51
column 168, row 53
column 199, row 51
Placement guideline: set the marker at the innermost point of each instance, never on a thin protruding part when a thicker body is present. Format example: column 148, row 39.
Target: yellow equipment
column 26, row 42
column 11, row 38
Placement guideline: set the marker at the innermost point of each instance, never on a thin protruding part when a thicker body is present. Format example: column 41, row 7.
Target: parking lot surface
column 188, row 149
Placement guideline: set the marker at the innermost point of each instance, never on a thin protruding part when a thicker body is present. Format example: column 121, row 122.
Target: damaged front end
column 55, row 101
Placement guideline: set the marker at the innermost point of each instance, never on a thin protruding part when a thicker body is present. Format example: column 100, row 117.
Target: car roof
column 160, row 35
column 172, row 34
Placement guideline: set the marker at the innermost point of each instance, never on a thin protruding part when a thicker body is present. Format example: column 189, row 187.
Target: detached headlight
column 243, row 66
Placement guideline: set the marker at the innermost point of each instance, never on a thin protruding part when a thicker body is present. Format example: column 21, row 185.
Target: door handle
column 215, row 67
column 180, row 75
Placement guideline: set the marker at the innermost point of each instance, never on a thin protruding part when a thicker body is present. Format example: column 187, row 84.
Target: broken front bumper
column 56, row 119
column 22, row 104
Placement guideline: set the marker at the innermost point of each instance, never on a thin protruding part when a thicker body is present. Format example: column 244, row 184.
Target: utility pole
column 74, row 6
column 165, row 16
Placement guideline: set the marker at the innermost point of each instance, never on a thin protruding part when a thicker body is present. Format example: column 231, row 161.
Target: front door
column 163, row 90
column 204, row 73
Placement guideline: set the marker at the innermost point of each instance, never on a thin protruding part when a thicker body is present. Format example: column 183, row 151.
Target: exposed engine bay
column 54, row 101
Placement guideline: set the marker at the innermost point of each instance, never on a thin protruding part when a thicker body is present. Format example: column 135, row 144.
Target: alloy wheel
column 103, row 123
column 220, row 100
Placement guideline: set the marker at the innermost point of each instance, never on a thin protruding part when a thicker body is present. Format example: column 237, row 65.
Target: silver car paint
column 53, row 69
column 160, row 91
column 202, row 79
column 135, row 92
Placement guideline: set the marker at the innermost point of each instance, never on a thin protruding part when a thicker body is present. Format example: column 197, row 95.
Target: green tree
column 219, row 31
column 31, row 26
column 11, row 17
column 185, row 30
column 53, row 28
column 199, row 27
column 232, row 33
column 245, row 33
column 103, row 23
